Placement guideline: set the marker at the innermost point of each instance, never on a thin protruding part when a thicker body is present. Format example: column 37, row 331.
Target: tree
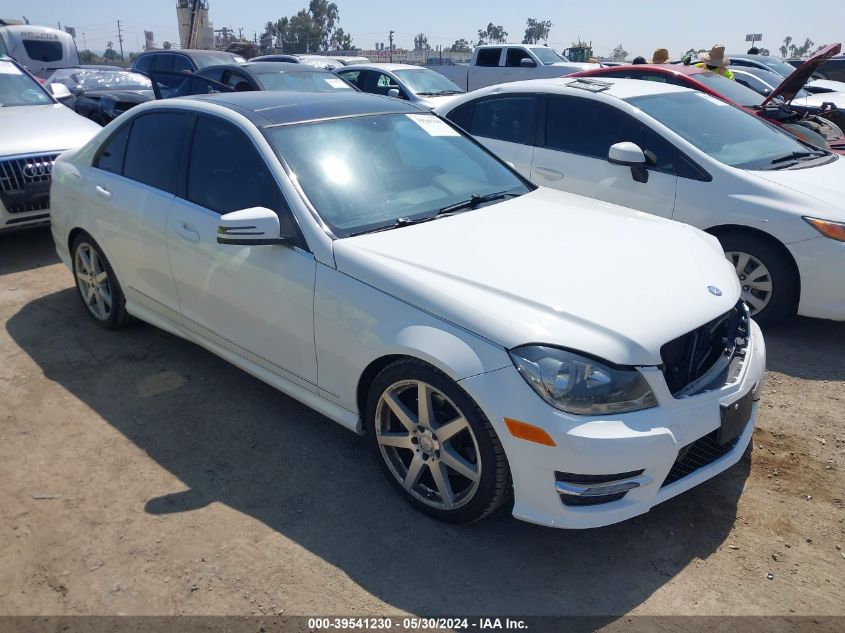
column 341, row 41
column 421, row 42
column 460, row 46
column 536, row 30
column 804, row 49
column 87, row 57
column 245, row 49
column 764, row 51
column 324, row 16
column 619, row 54
column 166, row 45
column 787, row 42
column 311, row 29
column 493, row 34
column 110, row 53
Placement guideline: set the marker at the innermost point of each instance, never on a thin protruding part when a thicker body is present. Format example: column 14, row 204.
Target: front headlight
column 828, row 228
column 583, row 386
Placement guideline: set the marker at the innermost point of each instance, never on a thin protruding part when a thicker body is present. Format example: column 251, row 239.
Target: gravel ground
column 139, row 474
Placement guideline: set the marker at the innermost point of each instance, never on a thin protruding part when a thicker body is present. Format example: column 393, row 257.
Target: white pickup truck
column 502, row 63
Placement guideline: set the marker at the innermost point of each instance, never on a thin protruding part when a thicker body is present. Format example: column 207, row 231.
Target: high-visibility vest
column 720, row 70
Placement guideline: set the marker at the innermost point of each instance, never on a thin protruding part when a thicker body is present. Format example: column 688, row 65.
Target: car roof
column 667, row 69
column 615, row 87
column 385, row 66
column 190, row 52
column 258, row 67
column 268, row 108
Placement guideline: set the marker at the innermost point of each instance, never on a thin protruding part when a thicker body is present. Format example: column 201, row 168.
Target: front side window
column 154, row 151
column 19, row 89
column 44, row 50
column 110, row 156
column 488, row 57
column 302, row 81
column 722, row 131
column 515, row 56
column 143, row 63
column 364, row 173
column 508, row 118
column 589, row 127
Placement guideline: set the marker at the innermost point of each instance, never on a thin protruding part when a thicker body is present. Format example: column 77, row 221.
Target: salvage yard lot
column 140, row 474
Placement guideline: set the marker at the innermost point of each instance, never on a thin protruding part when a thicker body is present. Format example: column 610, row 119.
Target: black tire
column 115, row 317
column 783, row 303
column 494, row 483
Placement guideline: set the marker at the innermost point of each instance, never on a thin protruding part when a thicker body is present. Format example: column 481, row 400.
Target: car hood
column 554, row 268
column 790, row 86
column 132, row 96
column 825, row 183
column 42, row 128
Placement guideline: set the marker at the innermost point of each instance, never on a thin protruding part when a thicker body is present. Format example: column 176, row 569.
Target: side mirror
column 627, row 154
column 60, row 91
column 255, row 226
column 527, row 62
column 630, row 155
column 393, row 92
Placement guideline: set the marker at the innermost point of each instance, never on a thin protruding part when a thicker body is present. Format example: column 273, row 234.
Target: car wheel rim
column 755, row 279
column 428, row 444
column 92, row 280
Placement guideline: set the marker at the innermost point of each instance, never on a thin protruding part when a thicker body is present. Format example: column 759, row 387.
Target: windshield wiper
column 798, row 155
column 474, row 200
column 397, row 223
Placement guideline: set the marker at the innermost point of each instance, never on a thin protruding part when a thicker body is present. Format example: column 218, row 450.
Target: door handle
column 548, row 172
column 102, row 191
column 186, row 232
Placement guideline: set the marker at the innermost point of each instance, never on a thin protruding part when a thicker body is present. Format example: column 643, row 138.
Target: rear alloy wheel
column 768, row 280
column 434, row 444
column 97, row 284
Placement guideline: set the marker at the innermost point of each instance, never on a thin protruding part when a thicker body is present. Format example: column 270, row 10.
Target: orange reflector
column 833, row 230
column 525, row 431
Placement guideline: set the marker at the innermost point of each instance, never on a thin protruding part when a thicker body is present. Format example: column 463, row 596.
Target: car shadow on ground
column 232, row 439
column 807, row 348
column 27, row 250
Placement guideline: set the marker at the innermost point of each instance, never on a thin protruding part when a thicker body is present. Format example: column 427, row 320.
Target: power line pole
column 120, row 41
column 84, row 41
column 390, row 39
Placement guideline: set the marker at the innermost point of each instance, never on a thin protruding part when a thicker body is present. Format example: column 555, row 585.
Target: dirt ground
column 139, row 474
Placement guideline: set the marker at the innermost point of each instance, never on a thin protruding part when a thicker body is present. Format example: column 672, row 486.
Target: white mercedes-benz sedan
column 776, row 204
column 369, row 259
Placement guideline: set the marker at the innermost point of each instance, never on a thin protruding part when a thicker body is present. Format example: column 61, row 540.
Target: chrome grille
column 25, row 182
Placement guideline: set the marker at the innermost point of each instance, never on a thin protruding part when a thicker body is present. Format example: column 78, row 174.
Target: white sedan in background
column 776, row 204
column 486, row 334
column 402, row 81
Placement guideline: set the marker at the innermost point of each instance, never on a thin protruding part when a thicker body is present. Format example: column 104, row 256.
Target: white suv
column 36, row 128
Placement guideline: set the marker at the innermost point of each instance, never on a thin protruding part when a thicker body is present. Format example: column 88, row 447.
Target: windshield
column 546, row 55
column 305, row 81
column 777, row 65
column 19, row 89
column 427, row 82
column 111, row 79
column 730, row 89
column 726, row 133
column 365, row 173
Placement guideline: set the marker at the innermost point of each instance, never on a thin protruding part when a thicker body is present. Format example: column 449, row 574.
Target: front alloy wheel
column 755, row 279
column 435, row 444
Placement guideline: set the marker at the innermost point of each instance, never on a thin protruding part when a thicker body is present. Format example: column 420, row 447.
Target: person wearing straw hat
column 661, row 56
column 716, row 61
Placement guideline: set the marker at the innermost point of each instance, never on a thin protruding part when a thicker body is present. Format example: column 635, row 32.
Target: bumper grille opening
column 25, row 182
column 709, row 356
column 569, row 500
column 700, row 453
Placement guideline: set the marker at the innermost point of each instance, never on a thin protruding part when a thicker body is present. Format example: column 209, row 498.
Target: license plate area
column 734, row 418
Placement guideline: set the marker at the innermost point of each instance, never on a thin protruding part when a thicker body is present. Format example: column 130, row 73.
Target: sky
column 639, row 26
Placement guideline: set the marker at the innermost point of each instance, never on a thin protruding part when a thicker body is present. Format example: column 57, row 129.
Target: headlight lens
column 833, row 230
column 583, row 386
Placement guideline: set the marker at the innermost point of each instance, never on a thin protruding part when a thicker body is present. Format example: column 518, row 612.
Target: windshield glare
column 424, row 81
column 19, row 89
column 780, row 67
column 108, row 79
column 730, row 89
column 303, row 81
column 546, row 55
column 726, row 133
column 366, row 172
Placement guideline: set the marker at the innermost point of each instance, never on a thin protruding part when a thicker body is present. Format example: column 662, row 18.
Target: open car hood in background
column 790, row 86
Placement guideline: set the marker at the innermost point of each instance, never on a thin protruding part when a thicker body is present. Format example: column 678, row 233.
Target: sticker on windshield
column 9, row 69
column 432, row 125
column 334, row 82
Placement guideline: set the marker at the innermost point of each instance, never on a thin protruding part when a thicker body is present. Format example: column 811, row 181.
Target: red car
column 810, row 126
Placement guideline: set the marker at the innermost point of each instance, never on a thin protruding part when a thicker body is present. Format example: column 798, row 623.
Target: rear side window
column 43, row 50
column 589, row 127
column 154, row 151
column 226, row 172
column 111, row 155
column 508, row 118
column 488, row 57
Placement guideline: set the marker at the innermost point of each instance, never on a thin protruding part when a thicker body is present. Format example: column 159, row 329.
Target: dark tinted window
column 461, row 116
column 43, row 50
column 180, row 62
column 143, row 63
column 514, row 56
column 154, row 152
column 504, row 118
column 163, row 62
column 110, row 156
column 352, row 76
column 226, row 173
column 488, row 57
column 590, row 127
